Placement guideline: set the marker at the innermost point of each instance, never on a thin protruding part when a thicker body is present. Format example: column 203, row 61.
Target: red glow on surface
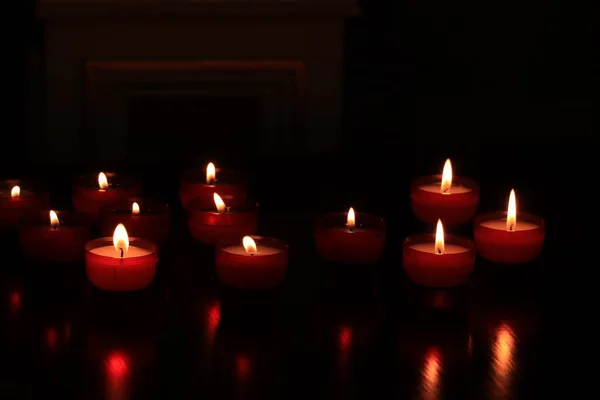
column 117, row 365
column 242, row 367
column 51, row 337
column 345, row 338
column 15, row 302
column 213, row 318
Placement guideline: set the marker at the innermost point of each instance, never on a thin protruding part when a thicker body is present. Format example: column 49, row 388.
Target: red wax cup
column 88, row 198
column 263, row 270
column 496, row 244
column 426, row 268
column 337, row 244
column 151, row 223
column 28, row 204
column 210, row 227
column 231, row 187
column 108, row 271
column 42, row 243
column 429, row 204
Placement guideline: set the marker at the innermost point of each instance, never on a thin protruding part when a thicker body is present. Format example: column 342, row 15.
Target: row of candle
column 220, row 214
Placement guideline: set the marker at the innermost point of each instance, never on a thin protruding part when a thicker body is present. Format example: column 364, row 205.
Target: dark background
column 504, row 89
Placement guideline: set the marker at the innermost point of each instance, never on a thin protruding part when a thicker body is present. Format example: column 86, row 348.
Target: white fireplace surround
column 98, row 53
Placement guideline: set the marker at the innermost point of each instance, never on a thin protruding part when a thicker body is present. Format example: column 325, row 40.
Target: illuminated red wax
column 453, row 199
column 88, row 197
column 338, row 243
column 509, row 237
column 425, row 266
column 495, row 243
column 45, row 239
column 149, row 219
column 209, row 226
column 195, row 184
column 107, row 270
column 263, row 267
column 16, row 204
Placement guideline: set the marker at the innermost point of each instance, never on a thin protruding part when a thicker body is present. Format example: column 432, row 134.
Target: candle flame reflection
column 121, row 240
column 249, row 245
column 439, row 238
column 503, row 361
column 102, row 181
column 219, row 203
column 431, row 376
column 15, row 192
column 511, row 215
column 351, row 220
column 344, row 342
column 211, row 174
column 135, row 208
column 446, row 178
column 54, row 223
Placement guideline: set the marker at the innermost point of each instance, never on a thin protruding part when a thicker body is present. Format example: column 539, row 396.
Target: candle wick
column 446, row 190
column 511, row 228
column 351, row 228
column 120, row 248
column 54, row 226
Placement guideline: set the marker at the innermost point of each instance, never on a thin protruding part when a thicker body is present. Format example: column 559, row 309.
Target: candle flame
column 15, row 192
column 102, row 181
column 121, row 239
column 351, row 220
column 439, row 238
column 54, row 219
column 446, row 178
column 219, row 203
column 511, row 215
column 135, row 208
column 249, row 245
column 211, row 174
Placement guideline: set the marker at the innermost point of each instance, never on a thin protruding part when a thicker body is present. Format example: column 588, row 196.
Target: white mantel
column 89, row 39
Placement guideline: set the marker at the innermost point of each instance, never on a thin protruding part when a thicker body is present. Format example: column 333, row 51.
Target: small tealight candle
column 144, row 218
column 509, row 237
column 120, row 263
column 220, row 222
column 352, row 238
column 54, row 237
column 17, row 203
column 251, row 262
column 91, row 192
column 454, row 200
column 438, row 260
column 199, row 188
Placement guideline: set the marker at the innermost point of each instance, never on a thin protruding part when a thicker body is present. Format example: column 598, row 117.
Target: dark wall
column 455, row 75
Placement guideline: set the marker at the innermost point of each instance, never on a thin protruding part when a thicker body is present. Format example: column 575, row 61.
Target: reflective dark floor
column 330, row 332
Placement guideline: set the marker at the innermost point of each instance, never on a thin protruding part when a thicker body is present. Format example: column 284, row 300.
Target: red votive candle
column 120, row 263
column 195, row 184
column 452, row 199
column 350, row 238
column 251, row 262
column 509, row 237
column 54, row 237
column 438, row 261
column 220, row 222
column 91, row 192
column 17, row 201
column 143, row 218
